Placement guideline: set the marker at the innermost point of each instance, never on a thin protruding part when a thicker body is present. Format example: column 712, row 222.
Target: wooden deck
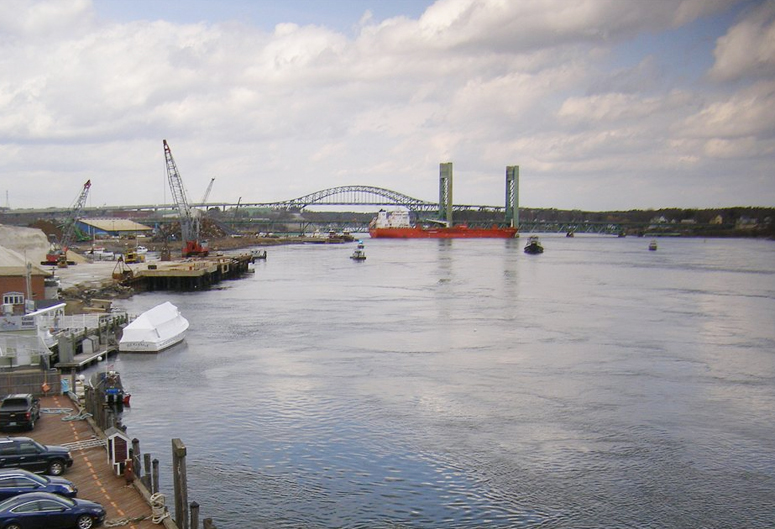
column 91, row 472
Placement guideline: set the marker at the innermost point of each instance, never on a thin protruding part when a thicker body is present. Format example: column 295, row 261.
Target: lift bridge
column 362, row 195
column 485, row 215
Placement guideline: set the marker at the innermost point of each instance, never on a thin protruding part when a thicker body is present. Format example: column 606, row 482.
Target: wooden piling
column 194, row 515
column 155, row 477
column 147, row 473
column 180, row 482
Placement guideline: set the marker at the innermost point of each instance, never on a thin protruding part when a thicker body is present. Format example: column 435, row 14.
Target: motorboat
column 109, row 383
column 533, row 246
column 359, row 254
column 154, row 330
column 653, row 245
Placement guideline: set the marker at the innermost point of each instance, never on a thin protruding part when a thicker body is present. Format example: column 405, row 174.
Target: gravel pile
column 30, row 242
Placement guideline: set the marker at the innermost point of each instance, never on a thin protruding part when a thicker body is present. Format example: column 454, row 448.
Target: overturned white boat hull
column 154, row 330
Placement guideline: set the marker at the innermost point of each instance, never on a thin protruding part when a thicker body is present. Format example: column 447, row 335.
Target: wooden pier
column 189, row 275
column 91, row 472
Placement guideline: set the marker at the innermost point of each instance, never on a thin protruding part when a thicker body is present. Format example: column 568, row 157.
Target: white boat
column 359, row 254
column 141, row 250
column 154, row 330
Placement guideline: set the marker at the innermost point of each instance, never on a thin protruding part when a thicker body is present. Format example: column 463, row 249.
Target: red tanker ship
column 396, row 225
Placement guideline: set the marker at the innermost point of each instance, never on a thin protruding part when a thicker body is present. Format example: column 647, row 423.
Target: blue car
column 43, row 510
column 15, row 481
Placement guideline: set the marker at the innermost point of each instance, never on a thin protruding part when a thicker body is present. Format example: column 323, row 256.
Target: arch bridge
column 356, row 195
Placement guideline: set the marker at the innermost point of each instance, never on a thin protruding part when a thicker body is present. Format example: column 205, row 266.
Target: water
column 466, row 384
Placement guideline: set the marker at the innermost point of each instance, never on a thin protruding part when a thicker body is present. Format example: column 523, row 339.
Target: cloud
column 44, row 19
column 748, row 112
column 287, row 111
column 748, row 48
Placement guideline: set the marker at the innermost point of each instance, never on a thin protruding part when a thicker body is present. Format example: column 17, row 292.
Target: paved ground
column 91, row 472
column 89, row 275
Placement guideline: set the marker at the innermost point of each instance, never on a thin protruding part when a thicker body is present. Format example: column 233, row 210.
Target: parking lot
column 91, row 472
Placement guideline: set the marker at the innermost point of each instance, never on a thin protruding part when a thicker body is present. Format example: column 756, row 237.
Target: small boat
column 109, row 383
column 533, row 246
column 154, row 330
column 141, row 250
column 653, row 245
column 570, row 234
column 359, row 254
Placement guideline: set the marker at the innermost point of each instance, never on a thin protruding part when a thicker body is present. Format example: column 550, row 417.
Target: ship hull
column 455, row 232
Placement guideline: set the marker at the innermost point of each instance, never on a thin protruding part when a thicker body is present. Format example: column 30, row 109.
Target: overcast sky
column 604, row 104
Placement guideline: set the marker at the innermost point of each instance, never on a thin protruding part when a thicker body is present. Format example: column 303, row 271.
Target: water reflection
column 463, row 384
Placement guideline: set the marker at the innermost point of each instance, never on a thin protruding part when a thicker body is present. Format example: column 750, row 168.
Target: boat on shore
column 154, row 330
column 533, row 246
column 396, row 225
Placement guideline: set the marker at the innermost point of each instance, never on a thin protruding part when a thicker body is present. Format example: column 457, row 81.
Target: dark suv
column 26, row 453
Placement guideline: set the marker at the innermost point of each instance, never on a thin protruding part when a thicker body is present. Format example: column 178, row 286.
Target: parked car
column 19, row 411
column 26, row 453
column 43, row 510
column 15, row 481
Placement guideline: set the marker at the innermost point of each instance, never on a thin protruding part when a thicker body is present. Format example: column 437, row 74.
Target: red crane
column 189, row 221
column 57, row 255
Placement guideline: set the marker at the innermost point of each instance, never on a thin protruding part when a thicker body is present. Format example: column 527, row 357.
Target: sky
column 603, row 104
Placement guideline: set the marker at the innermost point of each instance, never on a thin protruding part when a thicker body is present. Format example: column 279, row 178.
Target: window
column 13, row 298
column 28, row 447
column 50, row 506
column 30, row 506
column 8, row 449
column 25, row 483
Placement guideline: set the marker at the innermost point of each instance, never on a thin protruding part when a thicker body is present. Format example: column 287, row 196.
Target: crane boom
column 58, row 253
column 207, row 193
column 189, row 223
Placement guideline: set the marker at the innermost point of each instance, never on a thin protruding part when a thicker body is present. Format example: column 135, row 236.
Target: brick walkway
column 91, row 472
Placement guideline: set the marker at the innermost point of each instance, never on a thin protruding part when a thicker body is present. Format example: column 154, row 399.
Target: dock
column 124, row 502
column 82, row 360
column 189, row 274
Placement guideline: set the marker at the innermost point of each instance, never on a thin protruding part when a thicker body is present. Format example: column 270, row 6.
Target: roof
column 14, row 264
column 115, row 224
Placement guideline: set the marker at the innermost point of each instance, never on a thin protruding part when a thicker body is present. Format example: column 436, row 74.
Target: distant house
column 718, row 219
column 658, row 220
column 101, row 228
column 20, row 281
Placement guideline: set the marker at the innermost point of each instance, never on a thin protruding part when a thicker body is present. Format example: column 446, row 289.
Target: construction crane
column 207, row 193
column 57, row 255
column 189, row 223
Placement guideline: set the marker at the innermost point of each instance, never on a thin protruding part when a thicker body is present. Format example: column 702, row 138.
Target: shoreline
column 89, row 280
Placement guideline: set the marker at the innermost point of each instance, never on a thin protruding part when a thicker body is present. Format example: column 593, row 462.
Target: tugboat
column 359, row 254
column 533, row 246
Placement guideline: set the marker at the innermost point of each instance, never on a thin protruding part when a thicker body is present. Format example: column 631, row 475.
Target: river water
column 465, row 384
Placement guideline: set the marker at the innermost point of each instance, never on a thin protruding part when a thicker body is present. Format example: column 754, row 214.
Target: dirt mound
column 29, row 242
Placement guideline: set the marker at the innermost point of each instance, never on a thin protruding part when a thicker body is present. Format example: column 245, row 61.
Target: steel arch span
column 358, row 196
